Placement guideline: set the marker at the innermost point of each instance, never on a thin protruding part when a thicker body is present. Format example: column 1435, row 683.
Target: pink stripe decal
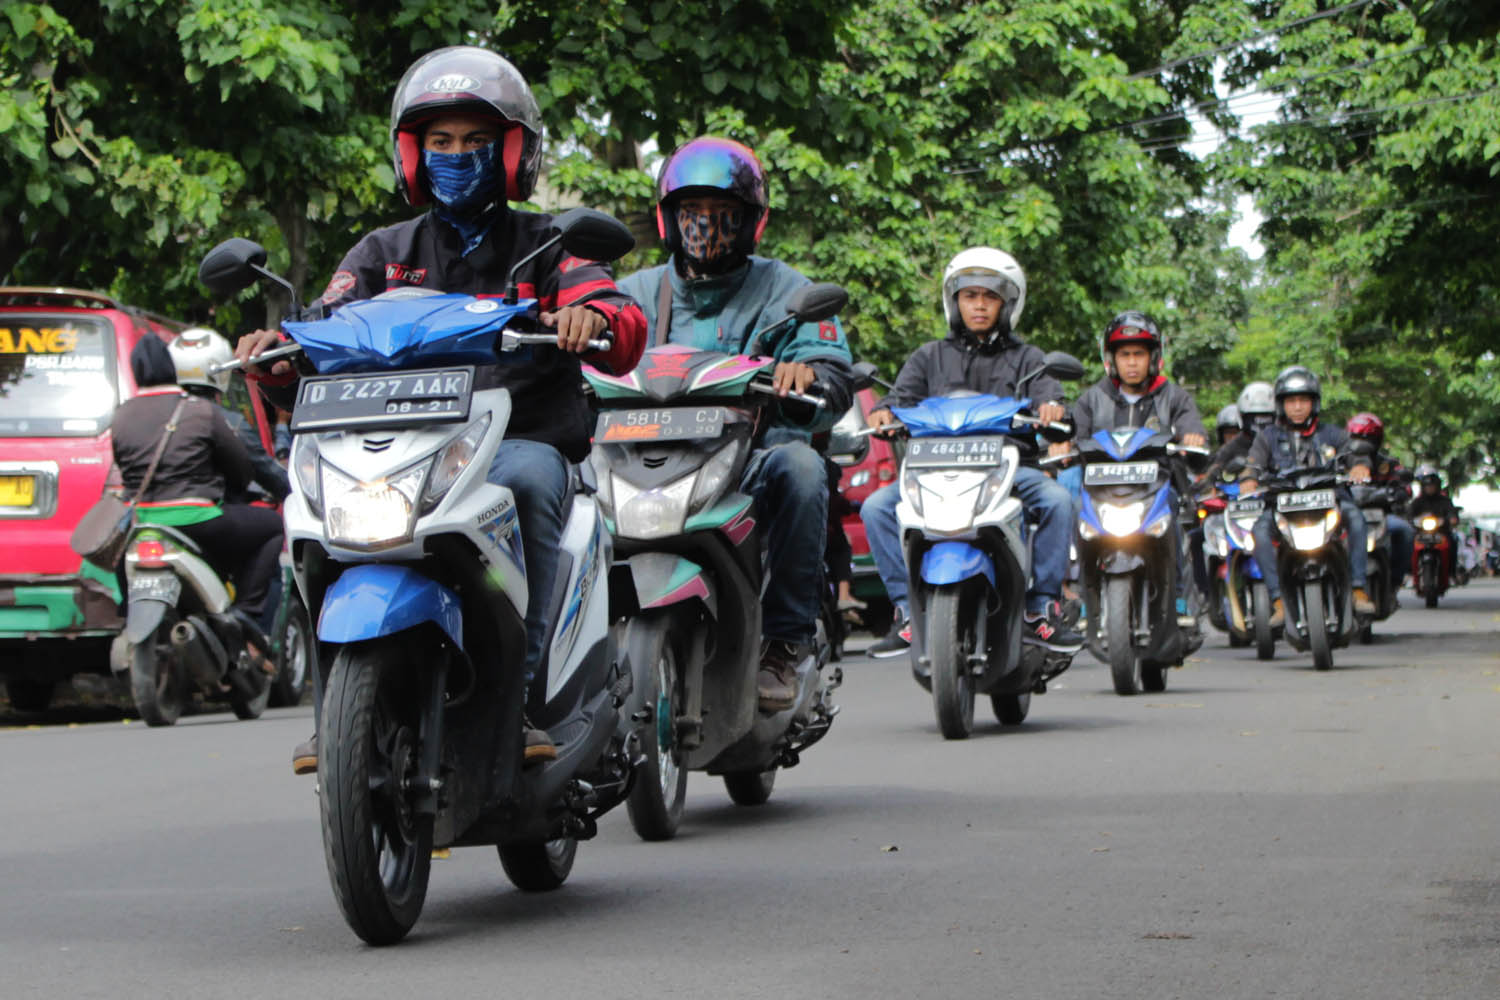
column 624, row 381
column 729, row 370
column 693, row 588
column 740, row 527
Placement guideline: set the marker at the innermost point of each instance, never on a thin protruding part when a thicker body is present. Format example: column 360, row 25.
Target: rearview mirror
column 865, row 374
column 817, row 302
column 594, row 235
column 1062, row 366
column 232, row 266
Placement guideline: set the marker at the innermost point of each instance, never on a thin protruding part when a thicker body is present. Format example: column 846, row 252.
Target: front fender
column 951, row 562
column 662, row 579
column 1115, row 562
column 376, row 599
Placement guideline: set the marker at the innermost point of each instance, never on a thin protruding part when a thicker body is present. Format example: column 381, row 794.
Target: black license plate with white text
column 929, row 452
column 390, row 399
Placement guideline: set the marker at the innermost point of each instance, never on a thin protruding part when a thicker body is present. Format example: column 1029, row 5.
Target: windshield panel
column 57, row 375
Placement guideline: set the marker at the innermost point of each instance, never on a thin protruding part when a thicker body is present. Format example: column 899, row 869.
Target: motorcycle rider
column 1257, row 407
column 1388, row 472
column 1297, row 440
column 466, row 136
column 714, row 293
column 1135, row 393
column 984, row 294
column 203, row 462
column 1431, row 499
column 1226, row 425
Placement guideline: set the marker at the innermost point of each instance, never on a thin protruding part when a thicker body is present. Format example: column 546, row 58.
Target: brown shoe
column 305, row 756
column 776, row 684
column 1362, row 603
column 538, row 746
column 1278, row 614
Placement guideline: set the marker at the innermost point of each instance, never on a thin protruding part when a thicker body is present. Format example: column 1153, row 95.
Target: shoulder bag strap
column 161, row 447
column 663, row 308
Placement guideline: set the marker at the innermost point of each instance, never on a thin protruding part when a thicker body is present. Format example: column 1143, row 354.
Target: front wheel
column 950, row 644
column 750, row 788
column 656, row 796
column 1317, row 625
column 1119, row 615
column 299, row 650
column 1011, row 709
column 1265, row 637
column 379, row 852
column 539, row 867
column 1429, row 582
column 156, row 683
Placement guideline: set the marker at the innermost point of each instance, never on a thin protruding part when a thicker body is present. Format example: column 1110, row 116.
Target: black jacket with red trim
column 1166, row 406
column 547, row 398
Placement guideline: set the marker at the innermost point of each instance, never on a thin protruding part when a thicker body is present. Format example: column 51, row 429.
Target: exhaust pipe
column 193, row 649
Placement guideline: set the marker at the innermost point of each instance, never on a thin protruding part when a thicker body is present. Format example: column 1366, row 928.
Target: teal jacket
column 723, row 312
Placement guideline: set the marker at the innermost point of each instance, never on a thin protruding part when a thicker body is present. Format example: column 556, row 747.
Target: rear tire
column 1265, row 636
column 299, row 651
column 379, row 853
column 538, row 867
column 1317, row 625
column 656, row 796
column 750, row 788
column 1011, row 709
column 156, row 684
column 950, row 643
column 28, row 695
column 1119, row 613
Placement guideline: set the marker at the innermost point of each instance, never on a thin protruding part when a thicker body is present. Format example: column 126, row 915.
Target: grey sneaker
column 894, row 643
column 305, row 756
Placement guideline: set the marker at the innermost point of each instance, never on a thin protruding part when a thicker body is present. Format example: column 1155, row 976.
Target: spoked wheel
column 1119, row 613
column 1317, row 625
column 656, row 797
column 1265, row 637
column 539, row 867
column 952, row 623
column 750, row 788
column 1011, row 709
column 299, row 649
column 378, row 850
column 156, row 683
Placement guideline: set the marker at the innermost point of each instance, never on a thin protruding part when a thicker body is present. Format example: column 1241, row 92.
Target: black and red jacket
column 547, row 400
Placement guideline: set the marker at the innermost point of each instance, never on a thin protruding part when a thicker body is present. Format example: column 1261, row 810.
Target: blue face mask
column 463, row 185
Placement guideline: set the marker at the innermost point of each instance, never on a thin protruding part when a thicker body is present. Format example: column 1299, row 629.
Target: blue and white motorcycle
column 1238, row 601
column 968, row 551
column 412, row 562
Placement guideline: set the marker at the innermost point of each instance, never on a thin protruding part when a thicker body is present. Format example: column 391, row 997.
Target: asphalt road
column 1260, row 830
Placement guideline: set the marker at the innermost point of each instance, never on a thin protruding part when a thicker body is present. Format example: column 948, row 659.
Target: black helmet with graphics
column 1298, row 380
column 466, row 79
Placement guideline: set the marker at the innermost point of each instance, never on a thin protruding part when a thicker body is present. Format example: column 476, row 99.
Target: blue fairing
column 943, row 416
column 375, row 599
column 951, row 562
column 416, row 332
column 1121, row 451
column 1089, row 513
column 1230, row 490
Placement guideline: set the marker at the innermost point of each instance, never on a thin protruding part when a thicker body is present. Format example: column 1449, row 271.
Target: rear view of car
column 64, row 367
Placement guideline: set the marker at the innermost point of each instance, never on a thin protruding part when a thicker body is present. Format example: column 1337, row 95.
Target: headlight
column 911, row 490
column 713, row 475
column 1159, row 526
column 1087, row 531
column 653, row 513
column 305, row 463
column 372, row 515
column 605, row 479
column 990, row 492
column 1429, row 523
column 1121, row 519
column 452, row 460
column 1307, row 537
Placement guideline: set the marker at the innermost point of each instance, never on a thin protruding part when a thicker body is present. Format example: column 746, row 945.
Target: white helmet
column 1257, row 405
column 193, row 351
column 985, row 267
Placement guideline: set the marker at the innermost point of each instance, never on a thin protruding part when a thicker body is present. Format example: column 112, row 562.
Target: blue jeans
column 537, row 475
column 1049, row 545
column 1265, row 558
column 789, row 484
column 1402, row 537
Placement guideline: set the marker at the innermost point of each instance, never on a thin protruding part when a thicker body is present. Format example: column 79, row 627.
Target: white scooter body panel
column 948, row 498
column 585, row 611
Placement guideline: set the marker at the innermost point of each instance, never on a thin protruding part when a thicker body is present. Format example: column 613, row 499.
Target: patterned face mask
column 464, row 183
column 710, row 234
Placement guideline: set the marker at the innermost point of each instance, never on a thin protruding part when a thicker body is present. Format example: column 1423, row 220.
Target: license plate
column 164, row 587
column 1305, row 500
column 1244, row 508
column 928, row 452
column 1119, row 473
column 391, row 399
column 17, row 491
column 675, row 423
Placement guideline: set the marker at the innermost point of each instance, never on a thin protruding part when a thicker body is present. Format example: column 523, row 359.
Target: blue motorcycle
column 1238, row 601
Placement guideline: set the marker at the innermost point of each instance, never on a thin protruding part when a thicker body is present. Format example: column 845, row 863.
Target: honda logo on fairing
column 453, row 83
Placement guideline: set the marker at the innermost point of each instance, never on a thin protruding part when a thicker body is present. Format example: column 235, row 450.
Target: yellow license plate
column 17, row 491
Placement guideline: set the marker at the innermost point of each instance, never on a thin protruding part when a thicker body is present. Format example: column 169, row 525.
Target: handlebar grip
column 271, row 355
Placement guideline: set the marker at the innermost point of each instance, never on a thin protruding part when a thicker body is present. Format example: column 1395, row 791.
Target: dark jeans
column 537, row 475
column 1265, row 553
column 790, row 487
column 243, row 544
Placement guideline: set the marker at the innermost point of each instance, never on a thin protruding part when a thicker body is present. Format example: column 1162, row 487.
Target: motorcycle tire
column 299, row 651
column 1317, row 625
column 750, row 788
column 1119, row 615
column 156, row 683
column 950, row 643
column 253, row 707
column 539, row 867
column 656, row 796
column 1011, row 709
column 1366, row 635
column 379, row 853
column 1265, row 636
column 1429, row 584
column 28, row 695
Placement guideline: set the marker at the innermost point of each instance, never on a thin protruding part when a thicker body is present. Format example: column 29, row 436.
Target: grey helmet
column 1228, row 419
column 1297, row 380
column 1257, row 405
column 465, row 78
